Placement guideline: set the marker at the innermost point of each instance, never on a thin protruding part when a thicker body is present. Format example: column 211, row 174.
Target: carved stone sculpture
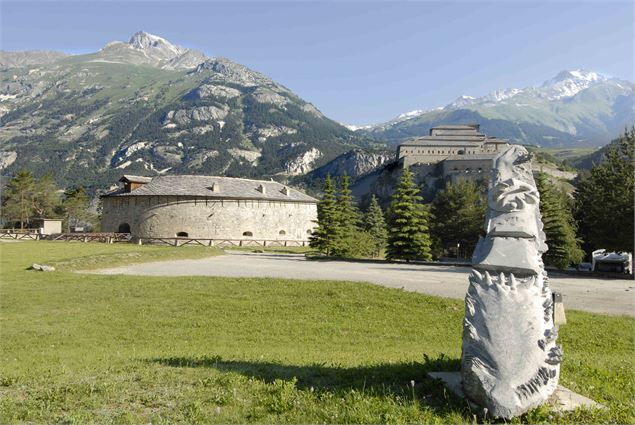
column 510, row 360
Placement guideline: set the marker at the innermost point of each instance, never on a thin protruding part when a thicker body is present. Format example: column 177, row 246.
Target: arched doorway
column 182, row 235
column 123, row 228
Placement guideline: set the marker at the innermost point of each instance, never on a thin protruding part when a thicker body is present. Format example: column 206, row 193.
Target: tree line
column 26, row 198
column 599, row 214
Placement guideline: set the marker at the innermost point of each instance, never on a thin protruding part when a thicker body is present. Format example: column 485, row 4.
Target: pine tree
column 75, row 206
column 408, row 237
column 325, row 235
column 376, row 226
column 17, row 204
column 564, row 248
column 604, row 198
column 45, row 197
column 459, row 215
column 348, row 215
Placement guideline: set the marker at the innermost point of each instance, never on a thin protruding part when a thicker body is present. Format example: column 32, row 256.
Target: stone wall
column 421, row 154
column 167, row 216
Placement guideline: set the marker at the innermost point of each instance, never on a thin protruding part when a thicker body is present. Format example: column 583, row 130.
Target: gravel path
column 587, row 294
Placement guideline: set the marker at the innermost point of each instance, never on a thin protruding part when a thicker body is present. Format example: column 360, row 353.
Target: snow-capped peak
column 145, row 41
column 462, row 101
column 579, row 75
column 569, row 83
column 411, row 114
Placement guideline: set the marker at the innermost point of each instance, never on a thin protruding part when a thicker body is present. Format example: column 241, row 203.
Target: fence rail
column 126, row 237
column 20, row 235
column 89, row 237
column 221, row 242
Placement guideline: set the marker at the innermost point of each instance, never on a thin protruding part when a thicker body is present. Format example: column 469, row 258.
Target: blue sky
column 359, row 62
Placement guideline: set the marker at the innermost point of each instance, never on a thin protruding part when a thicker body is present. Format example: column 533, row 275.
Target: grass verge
column 124, row 349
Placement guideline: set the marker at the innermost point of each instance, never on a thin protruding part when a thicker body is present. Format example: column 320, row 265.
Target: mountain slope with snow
column 575, row 108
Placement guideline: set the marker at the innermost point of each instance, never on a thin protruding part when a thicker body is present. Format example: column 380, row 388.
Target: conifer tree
column 564, row 248
column 604, row 198
column 376, row 226
column 325, row 235
column 75, row 204
column 348, row 213
column 45, row 197
column 17, row 202
column 408, row 237
column 459, row 215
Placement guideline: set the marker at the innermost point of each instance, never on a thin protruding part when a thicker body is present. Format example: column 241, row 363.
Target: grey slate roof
column 226, row 188
column 453, row 136
column 135, row 179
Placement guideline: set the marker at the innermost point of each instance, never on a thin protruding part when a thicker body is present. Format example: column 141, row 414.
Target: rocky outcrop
column 212, row 90
column 201, row 113
column 354, row 163
column 264, row 133
column 249, row 156
column 303, row 163
column 227, row 71
column 7, row 158
column 265, row 95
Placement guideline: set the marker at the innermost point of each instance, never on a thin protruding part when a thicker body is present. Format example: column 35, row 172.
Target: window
column 247, row 234
column 124, row 228
column 282, row 233
column 182, row 235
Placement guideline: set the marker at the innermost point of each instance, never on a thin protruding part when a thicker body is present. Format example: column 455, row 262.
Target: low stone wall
column 207, row 218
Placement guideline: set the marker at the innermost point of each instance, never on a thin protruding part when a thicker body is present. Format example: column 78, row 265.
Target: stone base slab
column 562, row 400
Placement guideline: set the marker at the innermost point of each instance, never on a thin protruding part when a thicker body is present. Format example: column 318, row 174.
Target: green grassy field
column 112, row 349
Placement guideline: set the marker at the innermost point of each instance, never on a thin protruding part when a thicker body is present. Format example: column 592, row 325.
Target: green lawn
column 112, row 349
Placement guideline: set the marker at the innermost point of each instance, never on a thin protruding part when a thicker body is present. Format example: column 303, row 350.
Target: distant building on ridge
column 460, row 151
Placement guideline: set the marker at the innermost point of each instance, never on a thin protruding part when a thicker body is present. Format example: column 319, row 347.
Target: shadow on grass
column 385, row 379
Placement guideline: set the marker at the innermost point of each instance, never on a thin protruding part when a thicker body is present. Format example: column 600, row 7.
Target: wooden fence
column 89, row 237
column 19, row 234
column 29, row 234
column 221, row 242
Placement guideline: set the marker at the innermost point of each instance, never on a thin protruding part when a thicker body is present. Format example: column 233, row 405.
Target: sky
column 359, row 62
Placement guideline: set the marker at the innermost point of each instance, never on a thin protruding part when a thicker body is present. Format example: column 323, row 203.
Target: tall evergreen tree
column 376, row 226
column 348, row 213
column 17, row 202
column 459, row 215
column 45, row 197
column 604, row 198
column 325, row 235
column 559, row 227
column 75, row 206
column 408, row 237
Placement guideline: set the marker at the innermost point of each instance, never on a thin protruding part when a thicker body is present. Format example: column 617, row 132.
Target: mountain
column 32, row 57
column 148, row 106
column 574, row 109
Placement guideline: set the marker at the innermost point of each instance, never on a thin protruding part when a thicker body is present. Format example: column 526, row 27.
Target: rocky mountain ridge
column 574, row 108
column 147, row 107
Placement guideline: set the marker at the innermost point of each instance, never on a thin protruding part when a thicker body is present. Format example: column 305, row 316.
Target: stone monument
column 510, row 361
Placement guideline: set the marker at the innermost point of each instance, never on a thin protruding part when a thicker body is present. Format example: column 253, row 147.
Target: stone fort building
column 459, row 150
column 205, row 207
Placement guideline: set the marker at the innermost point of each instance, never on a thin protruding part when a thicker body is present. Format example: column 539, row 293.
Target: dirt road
column 580, row 293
